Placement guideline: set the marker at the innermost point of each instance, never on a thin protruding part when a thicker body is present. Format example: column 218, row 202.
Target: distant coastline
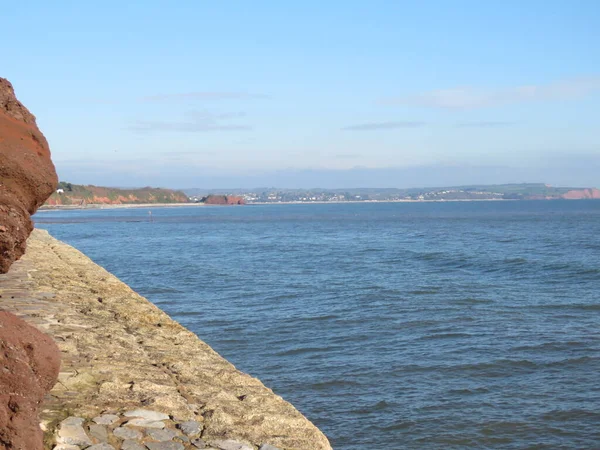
column 75, row 197
column 94, row 206
column 524, row 191
column 181, row 205
column 326, row 202
column 115, row 206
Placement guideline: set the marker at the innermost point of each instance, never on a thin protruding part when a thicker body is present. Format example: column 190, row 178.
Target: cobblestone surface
column 118, row 433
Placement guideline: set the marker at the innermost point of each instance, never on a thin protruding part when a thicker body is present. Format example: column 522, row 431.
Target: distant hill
column 522, row 191
column 75, row 194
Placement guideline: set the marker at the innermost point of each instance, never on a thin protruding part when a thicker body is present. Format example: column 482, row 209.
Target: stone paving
column 132, row 378
column 140, row 429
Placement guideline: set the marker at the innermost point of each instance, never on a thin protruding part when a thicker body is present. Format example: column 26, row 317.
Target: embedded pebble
column 145, row 423
column 191, row 428
column 71, row 432
column 161, row 435
column 103, row 446
column 229, row 444
column 165, row 446
column 130, row 444
column 147, row 414
column 127, row 433
column 106, row 419
column 268, row 447
column 99, row 432
column 66, row 447
column 180, row 418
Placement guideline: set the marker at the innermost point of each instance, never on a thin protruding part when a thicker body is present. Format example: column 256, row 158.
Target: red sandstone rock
column 29, row 365
column 27, row 175
column 223, row 200
column 29, row 360
column 578, row 194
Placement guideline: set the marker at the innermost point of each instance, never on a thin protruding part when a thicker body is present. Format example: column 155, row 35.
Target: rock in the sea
column 223, row 200
column 27, row 175
column 29, row 364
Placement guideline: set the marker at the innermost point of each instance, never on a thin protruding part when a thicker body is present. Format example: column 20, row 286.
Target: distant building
column 60, row 191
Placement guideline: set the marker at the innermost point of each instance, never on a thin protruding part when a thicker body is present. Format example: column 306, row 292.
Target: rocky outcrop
column 223, row 200
column 29, row 362
column 27, row 175
column 580, row 194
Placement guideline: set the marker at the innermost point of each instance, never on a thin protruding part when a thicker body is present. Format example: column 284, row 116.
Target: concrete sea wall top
column 121, row 354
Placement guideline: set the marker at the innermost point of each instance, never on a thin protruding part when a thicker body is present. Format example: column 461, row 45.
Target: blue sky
column 312, row 93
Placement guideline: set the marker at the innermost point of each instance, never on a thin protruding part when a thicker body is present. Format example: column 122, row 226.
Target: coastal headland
column 129, row 371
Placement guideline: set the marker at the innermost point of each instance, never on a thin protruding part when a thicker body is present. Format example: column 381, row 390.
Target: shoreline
column 120, row 352
column 115, row 206
column 45, row 208
column 93, row 206
column 336, row 202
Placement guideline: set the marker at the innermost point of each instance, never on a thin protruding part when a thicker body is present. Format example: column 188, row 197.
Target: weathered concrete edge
column 150, row 359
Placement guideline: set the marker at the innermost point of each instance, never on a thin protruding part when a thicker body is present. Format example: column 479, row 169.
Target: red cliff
column 27, row 175
column 579, row 194
column 30, row 360
column 223, row 200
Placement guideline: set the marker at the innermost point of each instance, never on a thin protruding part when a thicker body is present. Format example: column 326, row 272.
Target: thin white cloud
column 201, row 96
column 179, row 97
column 383, row 126
column 472, row 97
column 196, row 122
column 485, row 124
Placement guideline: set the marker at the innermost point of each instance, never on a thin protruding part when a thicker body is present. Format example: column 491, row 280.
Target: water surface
column 390, row 326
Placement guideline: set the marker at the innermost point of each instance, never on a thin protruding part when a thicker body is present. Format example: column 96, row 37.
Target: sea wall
column 121, row 353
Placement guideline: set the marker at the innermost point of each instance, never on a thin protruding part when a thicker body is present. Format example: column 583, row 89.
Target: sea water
column 389, row 325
